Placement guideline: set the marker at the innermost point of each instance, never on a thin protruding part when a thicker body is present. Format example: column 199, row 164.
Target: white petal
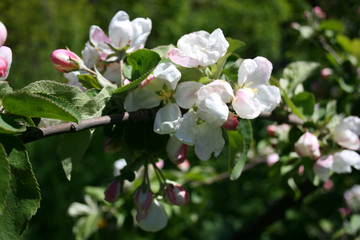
column 344, row 160
column 186, row 94
column 268, row 96
column 182, row 59
column 167, row 119
column 90, row 55
column 169, row 73
column 246, row 68
column 353, row 123
column 345, row 137
column 221, row 87
column 213, row 110
column 322, row 167
column 120, row 30
column 156, row 218
column 112, row 72
column 262, row 73
column 187, row 128
column 141, row 28
column 6, row 53
column 245, row 104
column 99, row 39
column 209, row 140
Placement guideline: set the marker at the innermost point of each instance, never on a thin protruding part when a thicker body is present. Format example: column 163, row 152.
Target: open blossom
column 347, row 132
column 323, row 167
column 199, row 49
column 5, row 62
column 176, row 150
column 156, row 219
column 352, row 197
column 344, row 160
column 65, row 60
column 3, row 34
column 143, row 199
column 254, row 96
column 308, row 146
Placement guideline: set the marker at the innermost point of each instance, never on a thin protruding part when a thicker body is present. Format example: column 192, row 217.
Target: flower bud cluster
column 5, row 54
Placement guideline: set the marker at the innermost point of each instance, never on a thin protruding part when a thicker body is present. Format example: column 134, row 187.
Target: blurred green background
column 37, row 27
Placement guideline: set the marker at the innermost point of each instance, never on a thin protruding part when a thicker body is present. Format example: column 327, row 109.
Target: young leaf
column 23, row 199
column 190, row 74
column 88, row 81
column 298, row 72
column 65, row 91
column 9, row 125
column 28, row 104
column 94, row 107
column 4, row 89
column 234, row 44
column 5, row 176
column 143, row 62
column 238, row 146
column 163, row 50
column 218, row 66
column 305, row 103
column 72, row 148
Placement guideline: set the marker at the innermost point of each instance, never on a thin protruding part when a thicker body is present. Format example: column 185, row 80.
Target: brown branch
column 34, row 133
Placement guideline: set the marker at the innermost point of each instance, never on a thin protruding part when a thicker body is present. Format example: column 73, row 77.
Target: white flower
column 167, row 119
column 347, row 132
column 5, row 62
column 323, row 167
column 352, row 197
column 254, row 96
column 344, row 160
column 3, row 34
column 308, row 146
column 199, row 49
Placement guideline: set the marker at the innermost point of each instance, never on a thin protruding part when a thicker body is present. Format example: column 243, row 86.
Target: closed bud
column 308, row 146
column 3, row 34
column 319, row 12
column 143, row 198
column 231, row 123
column 65, row 61
column 112, row 191
column 3, row 67
column 177, row 195
column 155, row 219
column 176, row 150
column 326, row 72
column 271, row 130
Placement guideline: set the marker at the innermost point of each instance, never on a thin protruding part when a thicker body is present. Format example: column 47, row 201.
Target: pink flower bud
column 143, row 198
column 177, row 195
column 272, row 159
column 3, row 67
column 184, row 167
column 176, row 150
column 155, row 219
column 308, row 146
column 295, row 25
column 112, row 191
column 271, row 130
column 231, row 123
column 64, row 60
column 326, row 72
column 160, row 164
column 112, row 146
column 319, row 12
column 3, row 34
column 301, row 170
column 328, row 185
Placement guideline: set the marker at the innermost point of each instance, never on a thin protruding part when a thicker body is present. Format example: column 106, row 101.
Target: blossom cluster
column 5, row 54
column 192, row 113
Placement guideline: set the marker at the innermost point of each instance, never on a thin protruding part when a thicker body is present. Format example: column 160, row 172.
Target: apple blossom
column 65, row 61
column 254, row 96
column 347, row 132
column 143, row 199
column 199, row 49
column 319, row 12
column 326, row 72
column 5, row 62
column 323, row 167
column 3, row 34
column 177, row 195
column 271, row 130
column 272, row 159
column 344, row 160
column 176, row 150
column 308, row 146
column 156, row 219
column 352, row 197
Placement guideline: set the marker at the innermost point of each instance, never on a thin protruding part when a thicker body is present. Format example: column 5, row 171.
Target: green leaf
column 102, row 80
column 23, row 199
column 305, row 103
column 143, row 62
column 28, row 104
column 72, row 148
column 298, row 72
column 65, row 91
column 95, row 106
column 88, row 81
column 332, row 25
column 218, row 66
column 234, row 44
column 163, row 50
column 5, row 176
column 190, row 74
column 238, row 146
column 9, row 125
column 4, row 89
